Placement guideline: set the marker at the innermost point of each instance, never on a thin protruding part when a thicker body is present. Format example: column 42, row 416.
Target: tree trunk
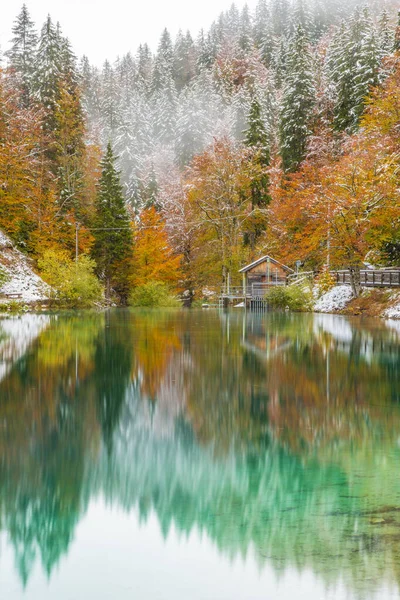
column 355, row 280
column 108, row 289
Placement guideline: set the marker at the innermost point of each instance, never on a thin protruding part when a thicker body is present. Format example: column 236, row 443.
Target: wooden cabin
column 264, row 272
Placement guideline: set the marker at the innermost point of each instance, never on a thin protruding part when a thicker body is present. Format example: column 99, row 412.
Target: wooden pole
column 77, row 243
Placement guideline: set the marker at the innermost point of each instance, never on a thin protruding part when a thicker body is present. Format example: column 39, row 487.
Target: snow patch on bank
column 335, row 300
column 22, row 280
column 394, row 311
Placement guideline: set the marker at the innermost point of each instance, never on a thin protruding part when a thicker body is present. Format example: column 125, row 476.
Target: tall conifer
column 298, row 102
column 112, row 248
column 22, row 54
column 257, row 139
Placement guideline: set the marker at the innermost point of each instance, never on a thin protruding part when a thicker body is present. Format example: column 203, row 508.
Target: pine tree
column 386, row 38
column 396, row 46
column 69, row 146
column 144, row 60
column 112, row 247
column 297, row 103
column 22, row 54
column 185, row 60
column 109, row 104
column 257, row 139
column 280, row 16
column 245, row 30
column 163, row 64
column 356, row 69
column 206, row 50
column 301, row 15
column 48, row 66
column 261, row 22
column 279, row 61
column 256, row 135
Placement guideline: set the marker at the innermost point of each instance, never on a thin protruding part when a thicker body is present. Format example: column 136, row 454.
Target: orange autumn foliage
column 153, row 257
column 345, row 208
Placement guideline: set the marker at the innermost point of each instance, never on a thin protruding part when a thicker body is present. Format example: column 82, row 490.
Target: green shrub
column 74, row 283
column 153, row 294
column 294, row 297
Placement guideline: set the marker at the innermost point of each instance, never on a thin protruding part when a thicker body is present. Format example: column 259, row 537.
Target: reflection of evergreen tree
column 113, row 359
column 256, row 458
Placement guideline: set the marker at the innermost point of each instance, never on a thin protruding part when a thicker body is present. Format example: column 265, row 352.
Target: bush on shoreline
column 153, row 294
column 74, row 283
column 295, row 298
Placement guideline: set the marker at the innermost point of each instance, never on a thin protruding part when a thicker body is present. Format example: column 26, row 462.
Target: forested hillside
column 275, row 131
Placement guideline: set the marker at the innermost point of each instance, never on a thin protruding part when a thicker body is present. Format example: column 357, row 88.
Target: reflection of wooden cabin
column 264, row 272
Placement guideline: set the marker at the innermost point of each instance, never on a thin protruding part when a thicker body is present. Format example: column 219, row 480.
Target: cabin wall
column 260, row 272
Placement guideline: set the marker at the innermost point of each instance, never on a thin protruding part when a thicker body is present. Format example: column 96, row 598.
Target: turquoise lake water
column 199, row 456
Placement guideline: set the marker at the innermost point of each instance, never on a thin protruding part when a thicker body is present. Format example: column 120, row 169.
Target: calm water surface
column 197, row 455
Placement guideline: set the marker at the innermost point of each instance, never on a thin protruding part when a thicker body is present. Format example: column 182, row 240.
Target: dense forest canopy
column 273, row 124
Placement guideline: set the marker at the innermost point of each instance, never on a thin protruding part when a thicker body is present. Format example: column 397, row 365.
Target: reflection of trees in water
column 57, row 404
column 288, row 512
column 274, row 434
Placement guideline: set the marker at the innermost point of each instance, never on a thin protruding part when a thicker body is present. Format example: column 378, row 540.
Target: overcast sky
column 105, row 29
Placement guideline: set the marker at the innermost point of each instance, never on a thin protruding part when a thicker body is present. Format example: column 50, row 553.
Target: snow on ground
column 336, row 299
column 21, row 278
column 394, row 311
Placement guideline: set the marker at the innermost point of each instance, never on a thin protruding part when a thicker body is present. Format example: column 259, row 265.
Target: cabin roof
column 265, row 259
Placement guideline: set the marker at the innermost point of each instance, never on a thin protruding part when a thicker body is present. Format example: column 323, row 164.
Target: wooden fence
column 371, row 278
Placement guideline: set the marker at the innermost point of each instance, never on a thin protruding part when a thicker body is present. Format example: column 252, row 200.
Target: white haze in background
column 104, row 30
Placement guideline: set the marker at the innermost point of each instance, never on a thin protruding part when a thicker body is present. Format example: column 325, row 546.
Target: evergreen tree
column 185, row 60
column 90, row 86
column 386, row 37
column 257, row 139
column 280, row 16
column 144, row 60
column 22, row 54
column 163, row 64
column 48, row 67
column 261, row 22
column 297, row 103
column 396, row 47
column 110, row 102
column 69, row 146
column 112, row 249
column 356, row 69
column 245, row 30
column 256, row 135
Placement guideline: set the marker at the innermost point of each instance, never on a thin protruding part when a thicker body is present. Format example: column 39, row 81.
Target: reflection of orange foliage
column 154, row 348
column 325, row 400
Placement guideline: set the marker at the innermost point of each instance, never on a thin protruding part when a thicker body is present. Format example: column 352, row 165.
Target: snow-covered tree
column 356, row 69
column 22, row 54
column 48, row 65
column 298, row 101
